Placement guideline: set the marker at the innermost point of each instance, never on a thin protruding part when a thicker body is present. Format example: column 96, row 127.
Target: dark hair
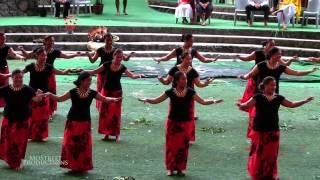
column 186, row 37
column 83, row 75
column 117, row 51
column 105, row 36
column 39, row 50
column 15, row 72
column 47, row 38
column 272, row 51
column 265, row 82
column 264, row 43
column 176, row 78
column 185, row 54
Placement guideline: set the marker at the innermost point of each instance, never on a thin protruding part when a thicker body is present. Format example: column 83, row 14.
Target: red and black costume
column 262, row 162
column 264, row 72
column 77, row 142
column 15, row 124
column 39, row 128
column 52, row 55
column 4, row 51
column 110, row 114
column 191, row 76
column 177, row 129
column 101, row 77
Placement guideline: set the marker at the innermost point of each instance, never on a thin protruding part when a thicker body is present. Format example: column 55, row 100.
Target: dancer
column 314, row 59
column 40, row 73
column 52, row 54
column 180, row 114
column 106, row 54
column 110, row 114
column 262, row 161
column 258, row 56
column 76, row 153
column 273, row 68
column 5, row 52
column 193, row 79
column 187, row 40
column 15, row 120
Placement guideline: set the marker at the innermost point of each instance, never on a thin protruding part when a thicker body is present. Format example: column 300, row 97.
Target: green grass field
column 215, row 155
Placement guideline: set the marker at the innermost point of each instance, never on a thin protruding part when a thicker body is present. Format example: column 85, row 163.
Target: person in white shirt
column 258, row 5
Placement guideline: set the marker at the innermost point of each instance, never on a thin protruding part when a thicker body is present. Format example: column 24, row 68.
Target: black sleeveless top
column 113, row 79
column 18, row 103
column 3, row 57
column 191, row 75
column 105, row 56
column 80, row 108
column 179, row 52
column 180, row 107
column 51, row 55
column 267, row 118
column 260, row 56
column 39, row 80
column 264, row 72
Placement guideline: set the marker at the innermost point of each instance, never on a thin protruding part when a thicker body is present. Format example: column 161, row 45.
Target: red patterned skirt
column 262, row 161
column 248, row 92
column 192, row 126
column 53, row 90
column 100, row 82
column 252, row 114
column 177, row 145
column 3, row 82
column 13, row 142
column 76, row 151
column 39, row 127
column 110, row 115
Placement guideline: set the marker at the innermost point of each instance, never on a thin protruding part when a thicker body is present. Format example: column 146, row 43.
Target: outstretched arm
column 62, row 98
column 61, row 72
column 14, row 55
column 292, row 72
column 99, row 97
column 251, row 74
column 132, row 75
column 250, row 103
column 166, row 81
column 69, row 56
column 201, row 84
column 171, row 55
column 204, row 59
column 25, row 53
column 202, row 101
column 250, row 57
column 295, row 104
column 127, row 57
column 314, row 59
column 95, row 71
column 289, row 61
column 157, row 100
column 93, row 58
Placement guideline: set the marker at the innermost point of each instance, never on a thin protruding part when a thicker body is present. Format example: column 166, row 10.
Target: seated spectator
column 184, row 11
column 66, row 7
column 258, row 5
column 287, row 10
column 204, row 10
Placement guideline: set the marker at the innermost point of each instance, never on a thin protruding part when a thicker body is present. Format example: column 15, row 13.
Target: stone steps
column 165, row 37
column 167, row 46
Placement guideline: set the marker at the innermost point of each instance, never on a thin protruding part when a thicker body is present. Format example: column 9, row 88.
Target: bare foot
column 117, row 14
column 250, row 23
column 170, row 173
column 181, row 174
column 125, row 13
column 106, row 138
column 118, row 139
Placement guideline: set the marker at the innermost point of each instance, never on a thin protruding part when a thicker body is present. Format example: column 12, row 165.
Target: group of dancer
column 27, row 109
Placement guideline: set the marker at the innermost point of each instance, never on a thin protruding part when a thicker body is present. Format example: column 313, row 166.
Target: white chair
column 313, row 9
column 240, row 7
column 87, row 4
column 53, row 8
